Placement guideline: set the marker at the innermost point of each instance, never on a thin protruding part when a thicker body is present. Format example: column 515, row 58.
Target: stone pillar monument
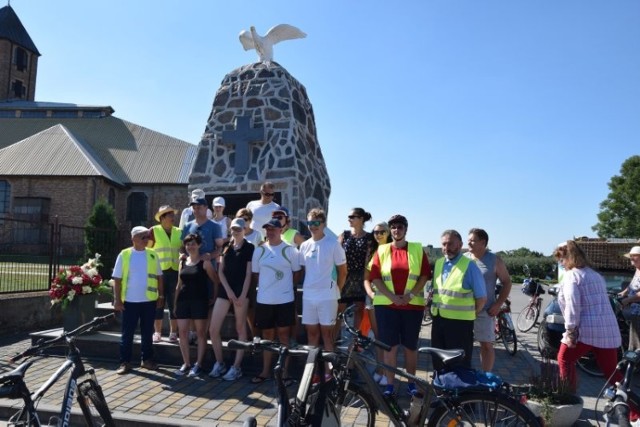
column 262, row 128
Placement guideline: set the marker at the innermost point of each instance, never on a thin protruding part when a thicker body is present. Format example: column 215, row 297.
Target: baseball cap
column 281, row 210
column 634, row 251
column 272, row 223
column 238, row 222
column 202, row 202
column 138, row 230
column 218, row 201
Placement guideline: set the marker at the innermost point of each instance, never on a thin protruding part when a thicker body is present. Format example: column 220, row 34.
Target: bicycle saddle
column 16, row 373
column 446, row 356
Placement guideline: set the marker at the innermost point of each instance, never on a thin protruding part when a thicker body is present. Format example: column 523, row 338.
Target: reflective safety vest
column 414, row 254
column 167, row 250
column 450, row 299
column 152, row 276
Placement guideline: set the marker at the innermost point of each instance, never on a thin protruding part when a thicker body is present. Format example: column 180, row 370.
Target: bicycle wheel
column 508, row 335
column 93, row 405
column 527, row 318
column 588, row 364
column 355, row 407
column 475, row 409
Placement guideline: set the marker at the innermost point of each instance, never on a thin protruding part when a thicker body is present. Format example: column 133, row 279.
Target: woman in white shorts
column 320, row 293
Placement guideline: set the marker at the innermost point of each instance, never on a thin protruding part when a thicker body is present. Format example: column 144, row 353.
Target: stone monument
column 262, row 128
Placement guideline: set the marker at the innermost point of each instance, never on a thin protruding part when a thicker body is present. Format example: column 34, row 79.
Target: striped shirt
column 585, row 305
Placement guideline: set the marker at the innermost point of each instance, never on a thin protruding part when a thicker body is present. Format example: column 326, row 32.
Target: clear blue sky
column 506, row 115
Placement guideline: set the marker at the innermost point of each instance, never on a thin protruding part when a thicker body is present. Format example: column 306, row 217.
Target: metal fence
column 32, row 252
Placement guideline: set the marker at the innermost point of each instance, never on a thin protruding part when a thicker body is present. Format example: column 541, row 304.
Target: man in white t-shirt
column 320, row 293
column 276, row 267
column 263, row 209
column 137, row 292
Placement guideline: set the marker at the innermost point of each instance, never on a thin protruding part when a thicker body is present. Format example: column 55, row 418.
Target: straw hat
column 163, row 210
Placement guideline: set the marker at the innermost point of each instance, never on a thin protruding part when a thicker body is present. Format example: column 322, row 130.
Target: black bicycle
column 82, row 384
column 311, row 406
column 358, row 398
column 620, row 396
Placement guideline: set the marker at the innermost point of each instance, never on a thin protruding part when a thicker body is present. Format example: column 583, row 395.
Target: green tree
column 521, row 252
column 620, row 212
column 100, row 235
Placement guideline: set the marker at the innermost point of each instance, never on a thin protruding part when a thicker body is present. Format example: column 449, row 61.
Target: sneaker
column 149, row 364
column 388, row 391
column 232, row 374
column 193, row 337
column 195, row 371
column 173, row 337
column 123, row 369
column 383, row 381
column 157, row 337
column 377, row 377
column 218, row 370
column 411, row 389
column 184, row 369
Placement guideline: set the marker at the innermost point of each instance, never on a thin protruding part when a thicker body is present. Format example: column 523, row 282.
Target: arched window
column 137, row 208
column 112, row 198
column 5, row 198
column 20, row 58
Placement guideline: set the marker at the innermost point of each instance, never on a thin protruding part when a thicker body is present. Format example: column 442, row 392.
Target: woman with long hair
column 589, row 321
column 235, row 279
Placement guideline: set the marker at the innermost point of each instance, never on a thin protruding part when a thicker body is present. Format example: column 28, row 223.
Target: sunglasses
column 376, row 232
column 314, row 223
column 354, row 216
column 268, row 194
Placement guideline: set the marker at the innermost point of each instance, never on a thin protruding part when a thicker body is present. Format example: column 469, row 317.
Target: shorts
column 222, row 292
column 192, row 309
column 269, row 316
column 322, row 312
column 484, row 328
column 398, row 326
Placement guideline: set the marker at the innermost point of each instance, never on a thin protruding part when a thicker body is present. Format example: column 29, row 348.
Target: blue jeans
column 145, row 312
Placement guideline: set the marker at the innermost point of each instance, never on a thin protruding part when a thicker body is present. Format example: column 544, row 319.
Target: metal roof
column 22, row 105
column 121, row 151
column 12, row 29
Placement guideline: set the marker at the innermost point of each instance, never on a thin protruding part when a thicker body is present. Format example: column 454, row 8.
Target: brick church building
column 57, row 159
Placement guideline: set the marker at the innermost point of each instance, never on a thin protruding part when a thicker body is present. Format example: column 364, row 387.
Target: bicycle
column 620, row 396
column 528, row 316
column 82, row 383
column 505, row 330
column 358, row 397
column 310, row 407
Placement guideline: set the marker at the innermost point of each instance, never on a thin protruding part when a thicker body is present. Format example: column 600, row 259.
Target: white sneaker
column 218, row 370
column 195, row 371
column 232, row 374
column 184, row 369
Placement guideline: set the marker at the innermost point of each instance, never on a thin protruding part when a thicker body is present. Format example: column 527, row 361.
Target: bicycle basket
column 465, row 379
column 531, row 288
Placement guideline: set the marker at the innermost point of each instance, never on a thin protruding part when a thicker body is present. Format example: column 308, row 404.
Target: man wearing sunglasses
column 137, row 292
column 263, row 208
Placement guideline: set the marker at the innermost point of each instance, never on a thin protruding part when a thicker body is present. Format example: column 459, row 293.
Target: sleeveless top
column 224, row 226
column 355, row 249
column 487, row 266
column 195, row 282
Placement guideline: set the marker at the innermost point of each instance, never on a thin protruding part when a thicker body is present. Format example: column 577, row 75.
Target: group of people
column 253, row 263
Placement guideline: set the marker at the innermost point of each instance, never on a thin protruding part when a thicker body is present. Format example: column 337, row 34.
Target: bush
column 540, row 267
column 100, row 236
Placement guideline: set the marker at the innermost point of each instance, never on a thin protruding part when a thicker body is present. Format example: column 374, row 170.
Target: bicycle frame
column 621, row 396
column 14, row 385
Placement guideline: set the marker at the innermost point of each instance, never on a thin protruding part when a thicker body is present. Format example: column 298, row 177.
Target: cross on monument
column 241, row 138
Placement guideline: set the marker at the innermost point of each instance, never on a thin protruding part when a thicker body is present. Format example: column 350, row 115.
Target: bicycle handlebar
column 621, row 414
column 356, row 333
column 63, row 337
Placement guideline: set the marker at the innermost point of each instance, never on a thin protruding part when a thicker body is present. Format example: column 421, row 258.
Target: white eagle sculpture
column 264, row 45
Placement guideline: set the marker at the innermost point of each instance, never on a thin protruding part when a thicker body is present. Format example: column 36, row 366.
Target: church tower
column 18, row 59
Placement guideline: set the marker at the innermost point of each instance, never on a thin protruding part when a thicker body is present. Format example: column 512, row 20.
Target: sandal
column 157, row 337
column 258, row 379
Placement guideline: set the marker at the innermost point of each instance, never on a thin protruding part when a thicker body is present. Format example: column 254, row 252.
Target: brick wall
column 8, row 72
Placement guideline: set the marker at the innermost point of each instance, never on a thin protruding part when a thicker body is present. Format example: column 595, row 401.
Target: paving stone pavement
column 157, row 397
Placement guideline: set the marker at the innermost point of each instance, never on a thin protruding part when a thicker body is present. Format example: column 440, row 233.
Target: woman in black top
column 192, row 302
column 235, row 278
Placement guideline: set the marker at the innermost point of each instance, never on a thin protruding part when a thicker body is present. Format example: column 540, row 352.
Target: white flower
column 71, row 294
column 77, row 280
column 86, row 290
column 92, row 272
